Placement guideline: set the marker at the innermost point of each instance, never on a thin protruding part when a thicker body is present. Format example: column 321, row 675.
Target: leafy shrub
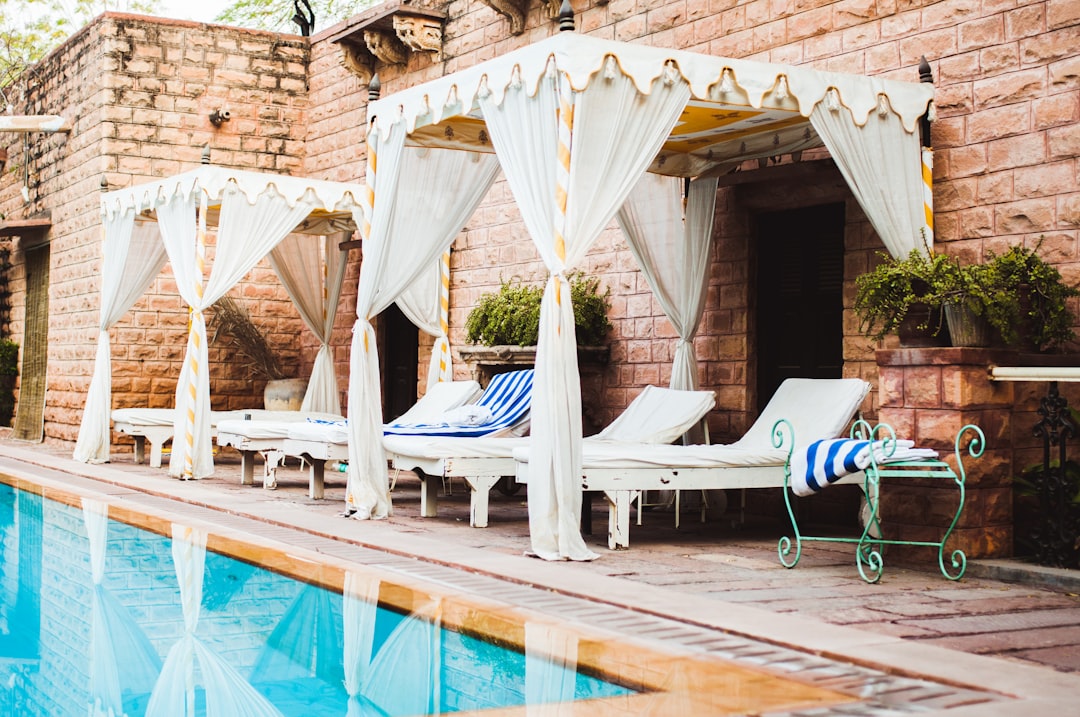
column 511, row 316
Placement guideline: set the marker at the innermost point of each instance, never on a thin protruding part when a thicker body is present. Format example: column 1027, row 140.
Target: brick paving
column 709, row 577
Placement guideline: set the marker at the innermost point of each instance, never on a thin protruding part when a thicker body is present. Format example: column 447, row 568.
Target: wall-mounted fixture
column 219, row 115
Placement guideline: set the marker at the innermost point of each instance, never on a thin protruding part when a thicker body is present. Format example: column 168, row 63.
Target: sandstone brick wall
column 1006, row 167
column 139, row 91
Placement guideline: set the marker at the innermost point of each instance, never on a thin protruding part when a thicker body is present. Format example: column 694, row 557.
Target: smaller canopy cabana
column 574, row 123
column 256, row 215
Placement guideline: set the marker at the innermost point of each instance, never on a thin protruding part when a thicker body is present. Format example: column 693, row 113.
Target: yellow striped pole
column 562, row 177
column 193, row 329
column 444, row 316
column 928, row 195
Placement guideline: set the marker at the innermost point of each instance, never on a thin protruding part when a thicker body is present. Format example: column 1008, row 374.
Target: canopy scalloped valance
column 333, row 202
column 738, row 109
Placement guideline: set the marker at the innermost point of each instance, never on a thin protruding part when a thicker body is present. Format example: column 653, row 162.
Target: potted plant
column 964, row 293
column 900, row 296
column 1027, row 300
column 9, row 370
column 249, row 344
column 511, row 316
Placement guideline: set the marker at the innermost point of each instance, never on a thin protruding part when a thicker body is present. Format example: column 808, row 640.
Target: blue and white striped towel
column 825, row 462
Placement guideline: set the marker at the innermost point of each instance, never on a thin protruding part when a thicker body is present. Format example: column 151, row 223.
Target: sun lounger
column 254, row 434
column 814, row 408
column 502, row 410
column 156, row 426
column 655, row 416
column 270, row 439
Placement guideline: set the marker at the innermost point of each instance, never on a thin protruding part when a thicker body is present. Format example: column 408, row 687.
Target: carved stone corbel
column 513, row 10
column 385, row 47
column 419, row 34
column 357, row 61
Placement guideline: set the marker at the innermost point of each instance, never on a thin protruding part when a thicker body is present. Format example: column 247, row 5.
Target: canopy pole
column 927, row 75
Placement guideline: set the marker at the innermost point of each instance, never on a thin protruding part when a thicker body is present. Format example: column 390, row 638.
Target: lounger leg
column 247, row 470
column 140, row 448
column 316, row 479
column 155, row 454
column 429, row 495
column 619, row 518
column 478, row 500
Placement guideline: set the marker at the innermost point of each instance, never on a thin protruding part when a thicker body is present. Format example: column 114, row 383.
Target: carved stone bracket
column 387, row 34
column 513, row 10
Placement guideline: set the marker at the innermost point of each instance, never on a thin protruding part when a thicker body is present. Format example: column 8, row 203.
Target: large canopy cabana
column 575, row 122
column 256, row 215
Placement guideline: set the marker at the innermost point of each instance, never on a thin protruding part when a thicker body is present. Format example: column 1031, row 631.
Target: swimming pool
column 284, row 642
column 100, row 613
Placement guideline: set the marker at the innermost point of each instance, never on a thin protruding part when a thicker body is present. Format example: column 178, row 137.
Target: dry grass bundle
column 232, row 319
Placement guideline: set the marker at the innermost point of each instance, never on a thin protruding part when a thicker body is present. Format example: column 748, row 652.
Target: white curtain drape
column 120, row 653
column 411, row 222
column 416, row 641
column 882, row 164
column 312, row 273
column 673, row 248
column 551, row 661
column 132, row 257
column 609, row 134
column 360, row 603
column 426, row 303
column 246, row 233
column 225, row 691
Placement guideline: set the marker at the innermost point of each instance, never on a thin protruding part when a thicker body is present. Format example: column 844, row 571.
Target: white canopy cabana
column 147, row 224
column 575, row 122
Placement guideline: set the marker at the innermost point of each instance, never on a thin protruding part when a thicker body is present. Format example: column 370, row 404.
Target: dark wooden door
column 800, row 274
column 399, row 344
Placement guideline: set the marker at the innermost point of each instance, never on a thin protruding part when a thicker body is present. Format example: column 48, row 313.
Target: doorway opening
column 399, row 346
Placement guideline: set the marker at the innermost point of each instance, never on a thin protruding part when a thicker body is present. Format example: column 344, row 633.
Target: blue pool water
column 78, row 639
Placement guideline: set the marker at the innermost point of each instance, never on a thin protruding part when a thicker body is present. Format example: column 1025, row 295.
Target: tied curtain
column 881, row 163
column 673, row 248
column 132, row 257
column 419, row 199
column 312, row 276
column 571, row 159
column 225, row 692
column 121, row 656
column 247, row 231
column 359, row 608
column 427, row 304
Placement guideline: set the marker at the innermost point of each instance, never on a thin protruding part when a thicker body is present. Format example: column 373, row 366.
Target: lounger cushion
column 816, row 408
column 276, row 428
column 659, row 415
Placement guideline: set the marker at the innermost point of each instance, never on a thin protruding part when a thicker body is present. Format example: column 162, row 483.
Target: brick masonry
column 138, row 91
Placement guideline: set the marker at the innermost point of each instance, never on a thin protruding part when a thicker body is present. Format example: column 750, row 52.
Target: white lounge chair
column 815, row 409
column 655, row 416
column 267, row 436
column 503, row 407
column 156, row 426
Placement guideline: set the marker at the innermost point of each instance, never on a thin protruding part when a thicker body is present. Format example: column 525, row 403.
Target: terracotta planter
column 923, row 328
column 285, row 394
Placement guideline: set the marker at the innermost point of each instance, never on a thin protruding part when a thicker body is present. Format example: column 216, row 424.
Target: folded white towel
column 467, row 415
column 825, row 462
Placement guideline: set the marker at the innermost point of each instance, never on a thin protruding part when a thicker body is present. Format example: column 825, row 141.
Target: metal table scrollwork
column 869, row 545
column 1055, row 538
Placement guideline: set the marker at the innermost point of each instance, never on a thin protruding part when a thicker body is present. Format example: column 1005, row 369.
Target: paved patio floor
column 1005, row 629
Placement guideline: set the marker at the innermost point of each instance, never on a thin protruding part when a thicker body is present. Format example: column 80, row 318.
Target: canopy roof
column 738, row 110
column 333, row 200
